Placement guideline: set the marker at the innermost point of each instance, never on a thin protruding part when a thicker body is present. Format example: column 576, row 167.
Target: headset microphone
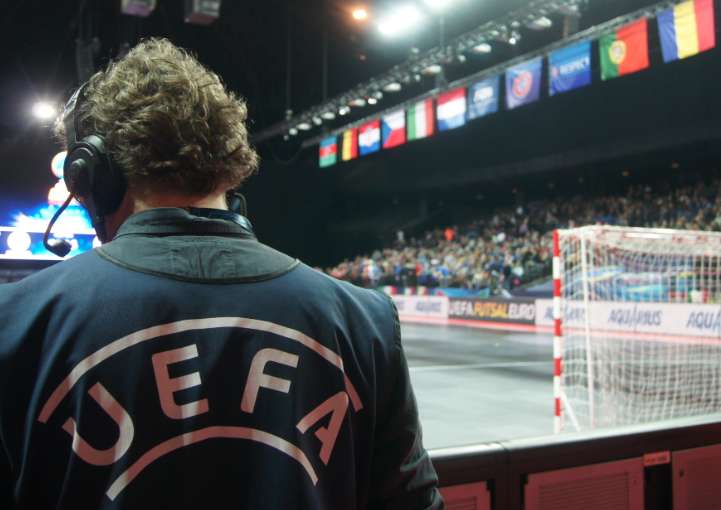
column 59, row 247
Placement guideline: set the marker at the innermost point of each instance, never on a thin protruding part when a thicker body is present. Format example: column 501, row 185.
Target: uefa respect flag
column 328, row 153
column 349, row 149
column 369, row 137
column 570, row 68
column 523, row 83
column 687, row 29
column 451, row 109
column 483, row 97
column 624, row 51
column 420, row 120
column 393, row 129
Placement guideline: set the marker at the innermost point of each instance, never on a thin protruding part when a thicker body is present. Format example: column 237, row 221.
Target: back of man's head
column 168, row 122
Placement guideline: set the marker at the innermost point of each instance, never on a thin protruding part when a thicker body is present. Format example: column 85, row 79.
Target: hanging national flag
column 625, row 51
column 350, row 144
column 570, row 68
column 328, row 152
column 451, row 109
column 394, row 129
column 420, row 120
column 369, row 137
column 523, row 83
column 483, row 98
column 687, row 29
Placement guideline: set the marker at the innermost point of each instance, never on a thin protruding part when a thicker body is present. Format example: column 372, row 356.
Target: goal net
column 638, row 325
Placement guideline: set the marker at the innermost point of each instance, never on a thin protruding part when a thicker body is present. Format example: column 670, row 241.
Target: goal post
column 637, row 325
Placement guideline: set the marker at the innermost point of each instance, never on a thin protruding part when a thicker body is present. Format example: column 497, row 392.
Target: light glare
column 360, row 14
column 400, row 21
column 43, row 110
column 438, row 5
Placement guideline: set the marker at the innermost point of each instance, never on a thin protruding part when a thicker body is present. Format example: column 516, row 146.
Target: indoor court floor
column 478, row 386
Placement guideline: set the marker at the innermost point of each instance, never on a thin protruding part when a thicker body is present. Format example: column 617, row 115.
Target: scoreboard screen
column 25, row 216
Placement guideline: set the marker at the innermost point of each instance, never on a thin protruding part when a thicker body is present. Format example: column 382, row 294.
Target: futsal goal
column 637, row 325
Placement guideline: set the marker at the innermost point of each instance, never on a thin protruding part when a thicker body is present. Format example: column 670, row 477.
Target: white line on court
column 471, row 366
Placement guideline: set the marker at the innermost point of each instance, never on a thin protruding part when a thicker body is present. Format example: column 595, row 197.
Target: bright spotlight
column 360, row 14
column 372, row 100
column 357, row 102
column 393, row 86
column 514, row 38
column 433, row 69
column 304, row 126
column 317, row 121
column 438, row 5
column 328, row 115
column 541, row 23
column 483, row 48
column 292, row 131
column 44, row 110
column 400, row 21
column 343, row 110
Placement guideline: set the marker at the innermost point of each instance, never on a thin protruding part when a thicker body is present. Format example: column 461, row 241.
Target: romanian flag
column 625, row 51
column 687, row 29
column 350, row 144
column 328, row 153
column 420, row 120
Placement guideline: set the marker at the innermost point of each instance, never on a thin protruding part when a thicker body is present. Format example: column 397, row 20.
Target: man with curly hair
column 183, row 364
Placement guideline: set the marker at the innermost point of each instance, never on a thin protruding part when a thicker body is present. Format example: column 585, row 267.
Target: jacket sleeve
column 403, row 476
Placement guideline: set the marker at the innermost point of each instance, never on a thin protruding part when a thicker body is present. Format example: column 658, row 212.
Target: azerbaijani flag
column 328, row 152
column 350, row 144
column 393, row 129
column 369, row 137
column 625, row 51
column 420, row 120
column 451, row 109
column 687, row 29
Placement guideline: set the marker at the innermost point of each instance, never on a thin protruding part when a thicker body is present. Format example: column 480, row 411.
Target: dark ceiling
column 247, row 46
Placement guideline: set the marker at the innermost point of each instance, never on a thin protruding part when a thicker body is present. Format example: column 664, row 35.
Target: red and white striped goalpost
column 557, row 338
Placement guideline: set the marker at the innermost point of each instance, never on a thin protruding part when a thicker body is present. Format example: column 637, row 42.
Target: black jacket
column 186, row 365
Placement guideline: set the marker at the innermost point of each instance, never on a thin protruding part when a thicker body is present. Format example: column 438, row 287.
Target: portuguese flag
column 625, row 51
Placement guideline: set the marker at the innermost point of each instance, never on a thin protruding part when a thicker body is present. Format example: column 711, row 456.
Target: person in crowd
column 184, row 364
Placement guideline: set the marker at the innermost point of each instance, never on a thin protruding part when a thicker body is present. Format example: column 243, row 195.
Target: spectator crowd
column 511, row 247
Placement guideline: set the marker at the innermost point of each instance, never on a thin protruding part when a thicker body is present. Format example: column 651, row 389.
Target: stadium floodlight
column 292, row 131
column 44, row 110
column 377, row 94
column 433, row 69
column 514, row 38
column 328, row 115
column 343, row 110
column 541, row 23
column 358, row 102
column 393, row 86
column 304, row 126
column 372, row 100
column 400, row 21
column 360, row 14
column 483, row 48
column 317, row 121
column 438, row 5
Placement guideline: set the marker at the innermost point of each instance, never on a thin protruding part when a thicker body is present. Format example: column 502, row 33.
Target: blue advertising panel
column 483, row 97
column 570, row 68
column 523, row 83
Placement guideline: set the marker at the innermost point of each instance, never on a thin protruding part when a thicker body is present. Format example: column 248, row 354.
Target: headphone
column 90, row 174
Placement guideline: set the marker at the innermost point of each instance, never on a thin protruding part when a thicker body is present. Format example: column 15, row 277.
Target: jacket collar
column 197, row 245
column 165, row 221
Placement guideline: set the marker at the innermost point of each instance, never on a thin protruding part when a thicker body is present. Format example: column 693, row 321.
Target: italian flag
column 420, row 120
column 625, row 51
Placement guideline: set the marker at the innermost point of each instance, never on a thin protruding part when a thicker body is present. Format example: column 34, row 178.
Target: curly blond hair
column 168, row 121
